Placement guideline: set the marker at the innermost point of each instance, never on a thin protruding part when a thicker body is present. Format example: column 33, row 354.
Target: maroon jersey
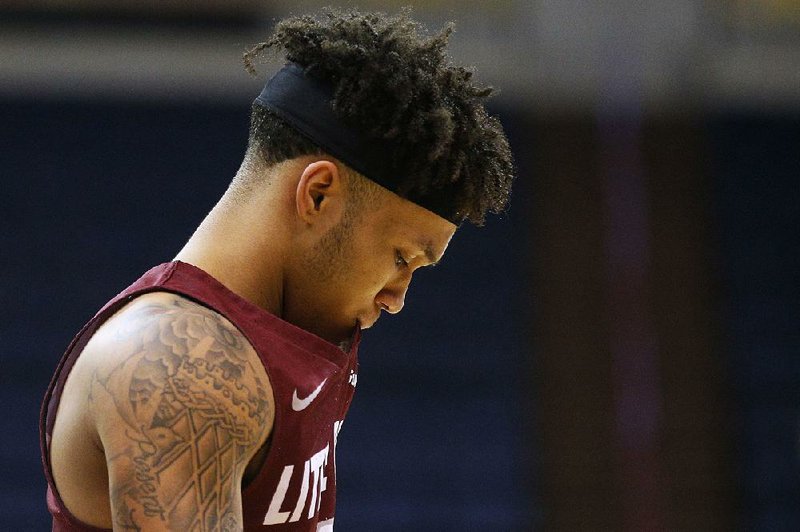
column 312, row 382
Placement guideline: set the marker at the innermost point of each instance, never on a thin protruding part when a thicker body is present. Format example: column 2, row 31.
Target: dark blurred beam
column 572, row 369
column 696, row 422
column 166, row 14
column 159, row 7
column 584, row 481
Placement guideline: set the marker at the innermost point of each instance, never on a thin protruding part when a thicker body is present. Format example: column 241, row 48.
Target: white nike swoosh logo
column 301, row 404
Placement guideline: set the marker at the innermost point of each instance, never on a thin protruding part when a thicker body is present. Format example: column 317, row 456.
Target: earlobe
column 318, row 186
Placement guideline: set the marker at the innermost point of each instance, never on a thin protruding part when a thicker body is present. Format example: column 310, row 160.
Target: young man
column 209, row 394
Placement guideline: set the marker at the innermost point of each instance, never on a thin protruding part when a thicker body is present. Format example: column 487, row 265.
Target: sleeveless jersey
column 312, row 382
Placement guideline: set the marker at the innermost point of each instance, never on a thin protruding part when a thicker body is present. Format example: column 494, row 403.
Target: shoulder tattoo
column 188, row 410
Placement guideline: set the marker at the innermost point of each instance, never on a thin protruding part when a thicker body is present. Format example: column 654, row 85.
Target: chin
column 366, row 323
column 333, row 333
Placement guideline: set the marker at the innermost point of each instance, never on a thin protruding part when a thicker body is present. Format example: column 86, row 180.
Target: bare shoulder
column 163, row 342
column 181, row 403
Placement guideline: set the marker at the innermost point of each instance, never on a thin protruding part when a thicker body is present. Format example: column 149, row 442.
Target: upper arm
column 181, row 405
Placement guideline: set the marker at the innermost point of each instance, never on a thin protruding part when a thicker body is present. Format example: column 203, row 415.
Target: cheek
column 368, row 267
column 368, row 280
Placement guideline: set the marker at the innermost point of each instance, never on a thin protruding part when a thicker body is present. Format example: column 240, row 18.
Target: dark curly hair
column 392, row 82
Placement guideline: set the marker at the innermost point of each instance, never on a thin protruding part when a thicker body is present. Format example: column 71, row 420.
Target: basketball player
column 208, row 395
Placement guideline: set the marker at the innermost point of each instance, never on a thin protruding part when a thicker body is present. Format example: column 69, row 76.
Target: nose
column 392, row 297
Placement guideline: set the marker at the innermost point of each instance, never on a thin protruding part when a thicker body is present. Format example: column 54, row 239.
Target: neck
column 242, row 247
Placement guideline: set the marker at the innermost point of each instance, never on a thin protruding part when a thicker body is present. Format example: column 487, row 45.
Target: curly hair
column 392, row 82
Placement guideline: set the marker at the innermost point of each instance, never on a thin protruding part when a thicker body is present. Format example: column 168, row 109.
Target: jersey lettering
column 274, row 516
column 313, row 477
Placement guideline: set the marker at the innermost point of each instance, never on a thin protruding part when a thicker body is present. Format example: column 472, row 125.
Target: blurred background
column 619, row 351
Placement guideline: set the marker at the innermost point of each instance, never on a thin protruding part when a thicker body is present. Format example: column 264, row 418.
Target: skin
column 123, row 452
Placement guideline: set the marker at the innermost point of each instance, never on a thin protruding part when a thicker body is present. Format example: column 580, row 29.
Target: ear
column 319, row 197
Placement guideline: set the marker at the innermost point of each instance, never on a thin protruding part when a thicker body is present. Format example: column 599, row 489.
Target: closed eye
column 399, row 260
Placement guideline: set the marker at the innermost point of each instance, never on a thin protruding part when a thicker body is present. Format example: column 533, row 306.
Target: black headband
column 305, row 104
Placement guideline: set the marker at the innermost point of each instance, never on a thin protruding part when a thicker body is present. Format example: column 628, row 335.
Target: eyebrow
column 429, row 254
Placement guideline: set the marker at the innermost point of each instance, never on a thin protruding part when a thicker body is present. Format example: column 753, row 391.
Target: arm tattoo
column 190, row 411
